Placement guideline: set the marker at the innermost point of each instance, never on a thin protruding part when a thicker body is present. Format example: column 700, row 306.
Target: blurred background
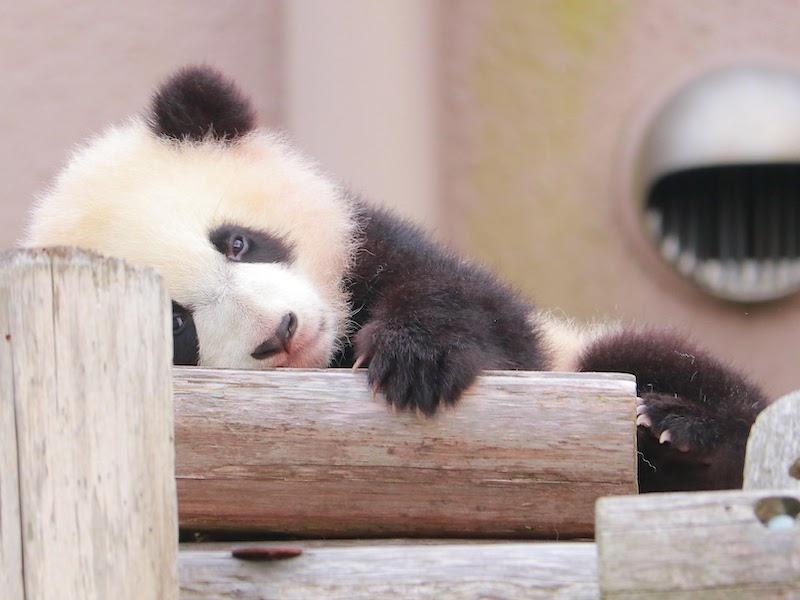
column 632, row 159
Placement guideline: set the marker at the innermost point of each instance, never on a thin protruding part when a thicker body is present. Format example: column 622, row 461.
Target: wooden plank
column 91, row 355
column 698, row 545
column 372, row 572
column 773, row 449
column 308, row 452
column 10, row 522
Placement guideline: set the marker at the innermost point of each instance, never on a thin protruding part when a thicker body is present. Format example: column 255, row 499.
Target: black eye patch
column 242, row 244
column 185, row 346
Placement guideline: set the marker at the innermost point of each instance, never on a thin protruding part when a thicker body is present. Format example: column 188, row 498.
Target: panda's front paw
column 695, row 412
column 679, row 426
column 413, row 370
column 684, row 444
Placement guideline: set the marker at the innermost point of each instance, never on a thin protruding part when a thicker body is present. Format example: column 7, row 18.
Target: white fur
column 153, row 201
column 566, row 339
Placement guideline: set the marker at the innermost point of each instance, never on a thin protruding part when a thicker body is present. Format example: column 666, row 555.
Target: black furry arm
column 427, row 322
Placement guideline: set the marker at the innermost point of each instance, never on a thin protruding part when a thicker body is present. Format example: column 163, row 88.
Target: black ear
column 198, row 101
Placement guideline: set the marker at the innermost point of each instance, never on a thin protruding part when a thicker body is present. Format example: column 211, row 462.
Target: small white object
column 780, row 523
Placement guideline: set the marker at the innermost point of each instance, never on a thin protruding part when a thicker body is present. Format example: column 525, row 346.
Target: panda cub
column 270, row 263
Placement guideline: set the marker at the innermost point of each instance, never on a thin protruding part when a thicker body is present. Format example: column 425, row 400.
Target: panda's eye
column 242, row 244
column 184, row 336
column 178, row 323
column 181, row 317
column 237, row 247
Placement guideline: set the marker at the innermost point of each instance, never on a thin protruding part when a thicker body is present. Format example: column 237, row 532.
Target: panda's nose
column 278, row 341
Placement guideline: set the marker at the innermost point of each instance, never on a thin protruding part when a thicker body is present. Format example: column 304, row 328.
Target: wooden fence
column 105, row 450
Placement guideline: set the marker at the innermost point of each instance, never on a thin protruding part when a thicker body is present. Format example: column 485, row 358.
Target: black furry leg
column 695, row 412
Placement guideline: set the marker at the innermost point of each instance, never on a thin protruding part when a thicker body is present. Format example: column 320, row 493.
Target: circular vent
column 720, row 175
column 735, row 230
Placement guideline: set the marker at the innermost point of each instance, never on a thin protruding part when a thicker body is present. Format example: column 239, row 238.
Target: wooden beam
column 773, row 448
column 86, row 414
column 309, row 453
column 700, row 545
column 377, row 571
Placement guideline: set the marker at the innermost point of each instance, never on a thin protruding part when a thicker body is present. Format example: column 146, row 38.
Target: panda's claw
column 358, row 362
column 644, row 421
column 665, row 437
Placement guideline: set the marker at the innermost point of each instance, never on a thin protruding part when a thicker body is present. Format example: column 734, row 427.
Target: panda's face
column 251, row 239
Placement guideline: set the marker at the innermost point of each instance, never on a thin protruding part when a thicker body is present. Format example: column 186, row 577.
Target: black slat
column 733, row 212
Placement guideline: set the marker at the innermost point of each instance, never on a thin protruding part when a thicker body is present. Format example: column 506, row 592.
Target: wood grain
column 10, row 521
column 91, row 379
column 372, row 572
column 308, row 452
column 773, row 449
column 695, row 545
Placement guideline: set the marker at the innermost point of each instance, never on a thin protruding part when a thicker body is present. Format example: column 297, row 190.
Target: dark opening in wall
column 733, row 229
column 718, row 178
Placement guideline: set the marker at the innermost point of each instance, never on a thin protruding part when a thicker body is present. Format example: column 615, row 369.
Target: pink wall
column 69, row 69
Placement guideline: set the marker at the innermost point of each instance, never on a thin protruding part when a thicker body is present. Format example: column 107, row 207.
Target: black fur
column 199, row 101
column 707, row 407
column 430, row 322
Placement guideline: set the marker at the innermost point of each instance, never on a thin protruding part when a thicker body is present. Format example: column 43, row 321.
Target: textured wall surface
column 69, row 69
column 545, row 105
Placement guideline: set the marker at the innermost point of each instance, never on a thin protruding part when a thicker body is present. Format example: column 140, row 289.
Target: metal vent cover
column 734, row 230
column 719, row 175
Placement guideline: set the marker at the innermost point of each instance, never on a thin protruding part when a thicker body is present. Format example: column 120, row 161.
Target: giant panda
column 272, row 263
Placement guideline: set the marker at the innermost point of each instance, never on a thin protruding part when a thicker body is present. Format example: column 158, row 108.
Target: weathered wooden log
column 10, row 522
column 373, row 572
column 87, row 488
column 734, row 544
column 309, row 453
column 773, row 449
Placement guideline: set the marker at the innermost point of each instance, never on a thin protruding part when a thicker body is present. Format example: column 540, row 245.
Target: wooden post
column 773, row 449
column 308, row 452
column 87, row 489
column 10, row 523
column 699, row 545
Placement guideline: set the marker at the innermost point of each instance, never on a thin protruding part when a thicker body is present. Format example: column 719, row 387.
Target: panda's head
column 253, row 241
